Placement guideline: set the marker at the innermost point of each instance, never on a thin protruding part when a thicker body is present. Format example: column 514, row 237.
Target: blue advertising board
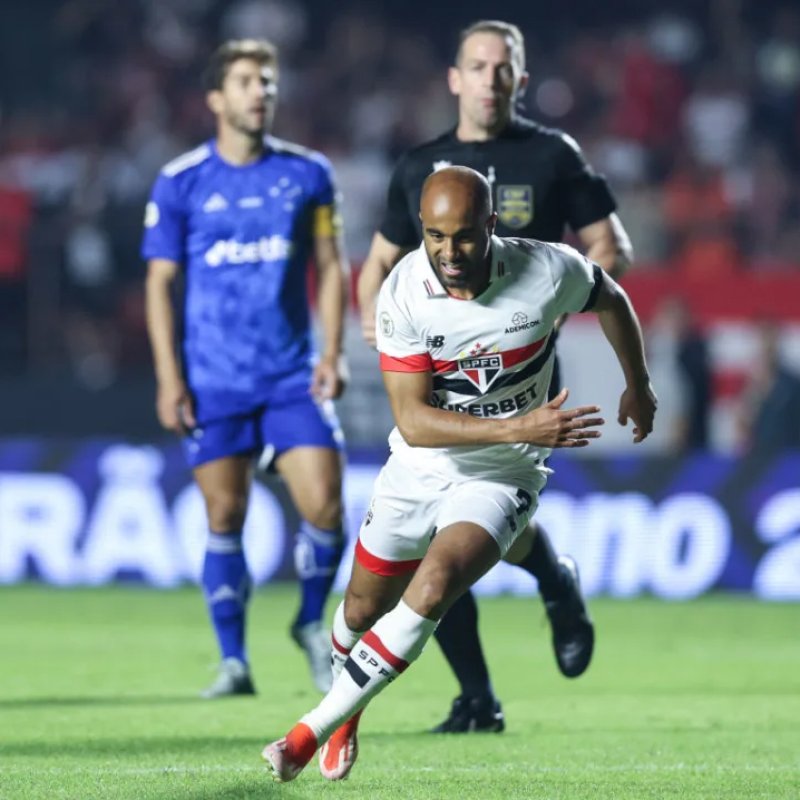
column 88, row 512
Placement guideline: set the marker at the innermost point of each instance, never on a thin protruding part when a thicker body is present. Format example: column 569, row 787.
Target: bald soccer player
column 466, row 469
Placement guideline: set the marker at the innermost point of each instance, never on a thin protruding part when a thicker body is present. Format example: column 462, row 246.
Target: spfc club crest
column 515, row 205
column 481, row 371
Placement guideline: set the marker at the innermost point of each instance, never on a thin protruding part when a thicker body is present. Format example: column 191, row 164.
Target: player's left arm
column 606, row 243
column 621, row 327
column 332, row 290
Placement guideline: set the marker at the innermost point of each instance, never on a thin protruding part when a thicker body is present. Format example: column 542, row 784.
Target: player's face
column 486, row 81
column 457, row 240
column 246, row 101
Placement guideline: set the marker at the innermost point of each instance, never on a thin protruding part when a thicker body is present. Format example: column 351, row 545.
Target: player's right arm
column 380, row 261
column 623, row 332
column 163, row 247
column 422, row 425
column 173, row 400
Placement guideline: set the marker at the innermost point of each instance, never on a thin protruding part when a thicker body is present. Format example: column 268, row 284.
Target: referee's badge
column 515, row 205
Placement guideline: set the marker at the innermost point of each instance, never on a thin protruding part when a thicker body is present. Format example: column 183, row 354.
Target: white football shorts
column 409, row 506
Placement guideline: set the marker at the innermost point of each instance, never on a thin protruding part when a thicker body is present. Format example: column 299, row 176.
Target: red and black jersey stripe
column 465, row 387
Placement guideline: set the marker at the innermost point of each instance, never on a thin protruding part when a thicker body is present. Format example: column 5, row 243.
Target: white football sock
column 383, row 652
column 342, row 641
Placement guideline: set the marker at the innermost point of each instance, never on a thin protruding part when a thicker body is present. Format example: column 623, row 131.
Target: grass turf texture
column 692, row 700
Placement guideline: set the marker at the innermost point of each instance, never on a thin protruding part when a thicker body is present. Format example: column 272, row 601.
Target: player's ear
column 214, row 101
column 454, row 80
column 523, row 84
column 491, row 223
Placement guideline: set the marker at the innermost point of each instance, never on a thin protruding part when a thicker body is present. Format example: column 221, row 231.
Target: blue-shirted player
column 236, row 369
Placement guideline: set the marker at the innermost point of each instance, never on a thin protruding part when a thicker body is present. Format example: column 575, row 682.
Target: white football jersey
column 491, row 357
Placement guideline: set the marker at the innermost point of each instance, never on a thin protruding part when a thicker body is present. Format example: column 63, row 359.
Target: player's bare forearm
column 160, row 316
column 423, row 425
column 332, row 293
column 174, row 405
column 329, row 377
column 621, row 327
column 331, row 305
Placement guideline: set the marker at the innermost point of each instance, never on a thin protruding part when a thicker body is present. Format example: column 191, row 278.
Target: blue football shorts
column 266, row 432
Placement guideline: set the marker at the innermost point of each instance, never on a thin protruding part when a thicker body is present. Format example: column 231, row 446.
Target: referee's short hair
column 505, row 29
column 260, row 50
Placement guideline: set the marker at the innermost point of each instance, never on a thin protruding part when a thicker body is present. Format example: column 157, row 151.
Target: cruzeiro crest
column 515, row 205
column 481, row 371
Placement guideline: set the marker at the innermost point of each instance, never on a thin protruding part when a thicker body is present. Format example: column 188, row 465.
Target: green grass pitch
column 687, row 700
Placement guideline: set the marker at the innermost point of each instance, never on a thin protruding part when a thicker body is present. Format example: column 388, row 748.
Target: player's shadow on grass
column 100, row 700
column 256, row 787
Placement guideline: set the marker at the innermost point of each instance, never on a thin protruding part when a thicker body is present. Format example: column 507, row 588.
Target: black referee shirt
column 539, row 177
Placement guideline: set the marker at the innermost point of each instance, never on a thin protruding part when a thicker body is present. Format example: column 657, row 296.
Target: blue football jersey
column 243, row 235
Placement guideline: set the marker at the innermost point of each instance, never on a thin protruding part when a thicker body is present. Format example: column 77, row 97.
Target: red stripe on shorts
column 371, row 640
column 380, row 566
column 419, row 362
column 341, row 648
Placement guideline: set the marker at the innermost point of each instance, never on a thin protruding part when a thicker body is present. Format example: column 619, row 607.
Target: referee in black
column 541, row 183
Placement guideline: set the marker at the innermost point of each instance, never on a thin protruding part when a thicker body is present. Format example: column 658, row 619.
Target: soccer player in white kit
column 464, row 330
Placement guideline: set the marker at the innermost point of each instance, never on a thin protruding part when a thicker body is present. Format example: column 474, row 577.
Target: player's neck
column 238, row 148
column 467, row 131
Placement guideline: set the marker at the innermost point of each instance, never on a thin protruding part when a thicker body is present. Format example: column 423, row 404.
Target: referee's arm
column 606, row 242
column 380, row 261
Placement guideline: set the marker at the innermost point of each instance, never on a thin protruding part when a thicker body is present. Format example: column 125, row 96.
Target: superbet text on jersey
column 491, row 357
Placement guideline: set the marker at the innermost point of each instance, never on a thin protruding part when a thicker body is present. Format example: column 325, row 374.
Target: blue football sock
column 317, row 554
column 226, row 585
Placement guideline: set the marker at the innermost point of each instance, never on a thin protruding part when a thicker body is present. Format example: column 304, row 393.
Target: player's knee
column 430, row 594
column 361, row 612
column 324, row 510
column 226, row 511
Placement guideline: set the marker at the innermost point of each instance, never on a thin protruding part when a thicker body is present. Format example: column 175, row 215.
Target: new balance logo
column 215, row 203
column 434, row 341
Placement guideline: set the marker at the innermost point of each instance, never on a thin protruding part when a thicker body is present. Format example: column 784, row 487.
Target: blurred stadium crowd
column 692, row 110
